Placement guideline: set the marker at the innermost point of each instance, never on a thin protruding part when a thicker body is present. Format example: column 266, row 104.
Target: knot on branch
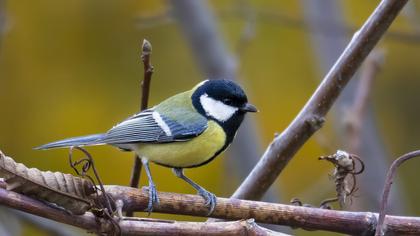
column 315, row 122
column 372, row 221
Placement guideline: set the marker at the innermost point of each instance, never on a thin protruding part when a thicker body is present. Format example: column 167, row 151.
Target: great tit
column 186, row 130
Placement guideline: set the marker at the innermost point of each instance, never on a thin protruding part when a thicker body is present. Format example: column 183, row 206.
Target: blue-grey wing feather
column 144, row 128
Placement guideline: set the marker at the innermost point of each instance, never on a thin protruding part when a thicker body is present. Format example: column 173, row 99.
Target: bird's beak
column 248, row 107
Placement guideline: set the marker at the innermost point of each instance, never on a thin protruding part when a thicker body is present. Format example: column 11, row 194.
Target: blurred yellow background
column 70, row 68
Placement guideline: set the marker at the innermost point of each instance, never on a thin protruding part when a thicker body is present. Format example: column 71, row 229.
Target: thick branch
column 131, row 226
column 311, row 117
column 355, row 223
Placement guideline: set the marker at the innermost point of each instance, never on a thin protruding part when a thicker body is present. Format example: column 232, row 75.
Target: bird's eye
column 227, row 101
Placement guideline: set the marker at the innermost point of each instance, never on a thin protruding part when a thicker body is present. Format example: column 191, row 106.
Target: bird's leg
column 208, row 196
column 153, row 198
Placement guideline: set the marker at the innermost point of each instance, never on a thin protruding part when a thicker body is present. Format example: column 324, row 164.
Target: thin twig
column 380, row 227
column 148, row 71
column 145, row 88
column 311, row 117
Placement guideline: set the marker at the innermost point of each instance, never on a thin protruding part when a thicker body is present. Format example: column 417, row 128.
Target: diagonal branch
column 311, row 117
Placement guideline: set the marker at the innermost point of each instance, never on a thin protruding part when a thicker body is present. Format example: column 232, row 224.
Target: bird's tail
column 94, row 139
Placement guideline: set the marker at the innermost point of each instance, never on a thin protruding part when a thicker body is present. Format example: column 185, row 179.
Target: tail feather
column 94, row 139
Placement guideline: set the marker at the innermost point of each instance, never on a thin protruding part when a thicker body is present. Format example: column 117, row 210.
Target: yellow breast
column 185, row 154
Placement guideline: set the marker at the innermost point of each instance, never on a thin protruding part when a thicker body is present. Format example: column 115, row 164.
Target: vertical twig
column 387, row 188
column 145, row 88
column 310, row 118
column 148, row 71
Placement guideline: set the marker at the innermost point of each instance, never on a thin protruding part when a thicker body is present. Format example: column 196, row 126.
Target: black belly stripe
column 197, row 165
column 230, row 129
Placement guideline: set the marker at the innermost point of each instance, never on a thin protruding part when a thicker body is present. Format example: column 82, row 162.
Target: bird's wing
column 152, row 127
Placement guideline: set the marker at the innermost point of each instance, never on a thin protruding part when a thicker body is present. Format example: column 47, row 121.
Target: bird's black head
column 224, row 102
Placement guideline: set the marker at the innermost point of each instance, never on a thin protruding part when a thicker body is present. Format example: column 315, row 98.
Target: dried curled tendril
column 345, row 170
column 57, row 189
column 104, row 204
column 64, row 191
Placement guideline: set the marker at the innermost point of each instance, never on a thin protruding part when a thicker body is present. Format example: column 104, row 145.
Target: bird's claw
column 210, row 199
column 153, row 198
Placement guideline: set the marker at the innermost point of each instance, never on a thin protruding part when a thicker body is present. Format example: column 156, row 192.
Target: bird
column 186, row 130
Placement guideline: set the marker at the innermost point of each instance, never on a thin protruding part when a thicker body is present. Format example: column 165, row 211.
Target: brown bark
column 131, row 226
column 354, row 223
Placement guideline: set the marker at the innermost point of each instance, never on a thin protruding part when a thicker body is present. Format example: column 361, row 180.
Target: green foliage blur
column 70, row 68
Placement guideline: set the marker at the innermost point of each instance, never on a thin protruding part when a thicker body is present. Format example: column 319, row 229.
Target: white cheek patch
column 217, row 109
column 161, row 123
